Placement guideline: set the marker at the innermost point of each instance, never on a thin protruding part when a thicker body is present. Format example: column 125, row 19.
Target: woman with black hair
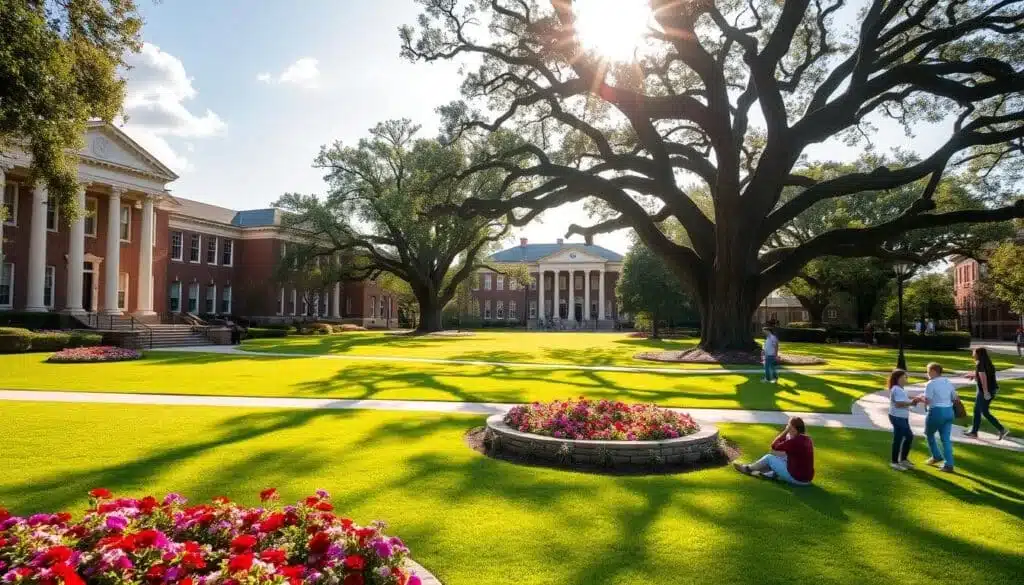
column 899, row 416
column 985, row 377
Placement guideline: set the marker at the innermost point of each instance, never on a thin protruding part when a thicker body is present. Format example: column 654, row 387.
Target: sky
column 237, row 96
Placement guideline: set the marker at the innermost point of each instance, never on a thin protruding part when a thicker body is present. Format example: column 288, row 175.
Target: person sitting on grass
column 793, row 464
column 771, row 356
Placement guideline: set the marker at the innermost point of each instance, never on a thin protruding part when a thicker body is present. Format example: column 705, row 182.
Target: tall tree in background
column 59, row 63
column 379, row 193
column 637, row 135
column 648, row 287
column 1006, row 275
column 929, row 296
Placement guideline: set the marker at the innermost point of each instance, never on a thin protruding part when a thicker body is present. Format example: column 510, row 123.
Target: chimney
column 560, row 241
column 522, row 242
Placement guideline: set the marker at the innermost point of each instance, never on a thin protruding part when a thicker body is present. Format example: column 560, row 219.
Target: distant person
column 930, row 326
column 918, row 326
column 899, row 416
column 795, row 464
column 771, row 356
column 939, row 395
column 869, row 334
column 1020, row 341
column 984, row 377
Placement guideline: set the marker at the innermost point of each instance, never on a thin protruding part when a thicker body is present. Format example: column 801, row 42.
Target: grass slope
column 474, row 520
column 584, row 349
column 259, row 375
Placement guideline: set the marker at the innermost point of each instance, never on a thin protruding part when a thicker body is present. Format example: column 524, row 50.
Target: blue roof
column 255, row 218
column 534, row 252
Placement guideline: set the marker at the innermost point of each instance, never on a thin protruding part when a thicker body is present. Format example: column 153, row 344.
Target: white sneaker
column 907, row 464
column 897, row 467
column 932, row 461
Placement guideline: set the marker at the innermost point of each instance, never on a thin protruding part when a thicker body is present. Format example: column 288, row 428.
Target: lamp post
column 901, row 269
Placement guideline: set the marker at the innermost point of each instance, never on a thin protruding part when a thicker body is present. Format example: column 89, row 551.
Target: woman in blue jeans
column 899, row 416
column 939, row 395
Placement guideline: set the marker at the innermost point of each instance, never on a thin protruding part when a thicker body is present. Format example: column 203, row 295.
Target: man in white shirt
column 939, row 395
column 771, row 356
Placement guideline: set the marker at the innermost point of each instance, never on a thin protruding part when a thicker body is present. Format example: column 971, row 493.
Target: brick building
column 984, row 318
column 139, row 250
column 584, row 297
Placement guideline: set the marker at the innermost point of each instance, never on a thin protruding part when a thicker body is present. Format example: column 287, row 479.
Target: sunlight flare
column 613, row 29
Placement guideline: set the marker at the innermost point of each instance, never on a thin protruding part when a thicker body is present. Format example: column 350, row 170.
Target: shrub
column 34, row 321
column 50, row 341
column 85, row 339
column 279, row 326
column 319, row 328
column 15, row 339
column 102, row 353
column 816, row 335
column 799, row 325
column 127, row 540
column 944, row 341
column 349, row 327
column 584, row 419
column 265, row 332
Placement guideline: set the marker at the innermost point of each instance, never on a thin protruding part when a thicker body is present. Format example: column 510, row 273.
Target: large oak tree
column 725, row 98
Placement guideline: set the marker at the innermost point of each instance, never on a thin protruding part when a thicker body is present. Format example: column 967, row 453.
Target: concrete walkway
column 234, row 350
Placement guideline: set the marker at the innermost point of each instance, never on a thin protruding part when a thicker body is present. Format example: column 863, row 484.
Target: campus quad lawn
column 475, row 520
column 312, row 377
column 598, row 349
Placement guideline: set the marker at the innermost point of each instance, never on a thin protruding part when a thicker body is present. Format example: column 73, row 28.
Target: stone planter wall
column 689, row 450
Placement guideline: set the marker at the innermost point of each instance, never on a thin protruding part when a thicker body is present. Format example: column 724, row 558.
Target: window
column 533, row 284
column 51, row 275
column 227, row 256
column 595, row 283
column 547, row 282
column 512, row 311
column 487, row 309
column 373, row 304
column 11, row 203
column 193, row 297
column 280, row 301
column 175, row 297
column 51, row 214
column 91, row 205
column 211, row 250
column 225, row 300
column 476, row 282
column 533, row 309
column 805, row 316
column 126, row 223
column 833, row 313
column 292, row 303
column 348, row 306
column 305, row 303
column 501, row 282
column 512, row 284
column 176, row 239
column 194, row 248
column 563, row 281
column 579, row 281
column 382, row 305
column 122, row 291
column 284, row 249
column 6, row 285
column 500, row 310
column 487, row 282
column 211, row 299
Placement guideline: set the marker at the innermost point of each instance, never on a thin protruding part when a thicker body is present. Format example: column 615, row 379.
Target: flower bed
column 103, row 353
column 606, row 420
column 150, row 542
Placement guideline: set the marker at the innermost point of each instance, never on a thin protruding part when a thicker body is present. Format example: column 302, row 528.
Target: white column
column 295, row 303
column 554, row 307
column 37, row 251
column 145, row 296
column 112, row 263
column 600, row 294
column 586, row 295
column 540, row 294
column 336, row 301
column 76, row 256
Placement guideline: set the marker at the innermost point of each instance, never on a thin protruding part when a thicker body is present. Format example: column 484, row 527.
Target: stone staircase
column 136, row 334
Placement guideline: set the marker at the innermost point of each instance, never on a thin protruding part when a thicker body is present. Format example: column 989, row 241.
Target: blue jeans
column 940, row 420
column 902, row 438
column 981, row 408
column 778, row 465
column 770, row 372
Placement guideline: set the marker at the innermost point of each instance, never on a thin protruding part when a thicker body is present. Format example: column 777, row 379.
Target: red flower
column 319, row 544
column 193, row 561
column 67, row 574
column 148, row 504
column 243, row 543
column 240, row 563
column 355, row 562
column 125, row 542
column 324, row 506
column 56, row 555
column 268, row 494
column 272, row 523
column 312, row 500
column 4, row 514
column 291, row 571
column 100, row 493
column 221, row 500
column 186, row 581
column 147, row 538
column 354, row 579
column 155, row 574
column 274, row 556
column 63, row 517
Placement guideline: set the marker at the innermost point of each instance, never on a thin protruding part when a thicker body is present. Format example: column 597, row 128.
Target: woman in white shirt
column 899, row 417
column 939, row 395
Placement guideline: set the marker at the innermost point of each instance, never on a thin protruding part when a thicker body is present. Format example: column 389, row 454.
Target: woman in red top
column 794, row 464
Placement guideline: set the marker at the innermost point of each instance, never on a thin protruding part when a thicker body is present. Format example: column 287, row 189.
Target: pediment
column 574, row 256
column 105, row 144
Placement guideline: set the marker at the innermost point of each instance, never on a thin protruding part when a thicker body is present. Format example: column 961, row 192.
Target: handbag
column 959, row 411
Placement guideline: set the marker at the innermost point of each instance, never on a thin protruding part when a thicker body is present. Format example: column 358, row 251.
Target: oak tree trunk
column 430, row 313
column 729, row 299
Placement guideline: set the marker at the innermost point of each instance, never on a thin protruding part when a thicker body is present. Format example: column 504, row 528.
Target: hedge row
column 946, row 340
column 34, row 321
column 265, row 332
column 18, row 340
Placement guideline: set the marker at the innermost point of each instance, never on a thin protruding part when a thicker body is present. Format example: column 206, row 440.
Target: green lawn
column 585, row 349
column 474, row 520
column 311, row 377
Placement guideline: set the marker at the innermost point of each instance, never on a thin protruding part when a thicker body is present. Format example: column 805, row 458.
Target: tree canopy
column 929, row 296
column 1006, row 275
column 648, row 288
column 379, row 194
column 724, row 98
column 59, row 68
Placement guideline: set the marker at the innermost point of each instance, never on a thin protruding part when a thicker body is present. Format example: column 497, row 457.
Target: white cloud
column 157, row 87
column 304, row 73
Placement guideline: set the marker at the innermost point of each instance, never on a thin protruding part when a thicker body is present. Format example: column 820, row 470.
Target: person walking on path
column 795, row 464
column 1020, row 341
column 985, row 377
column 899, row 416
column 939, row 395
column 771, row 356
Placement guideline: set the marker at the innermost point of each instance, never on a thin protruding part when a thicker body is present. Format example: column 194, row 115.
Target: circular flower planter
column 97, row 354
column 690, row 450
